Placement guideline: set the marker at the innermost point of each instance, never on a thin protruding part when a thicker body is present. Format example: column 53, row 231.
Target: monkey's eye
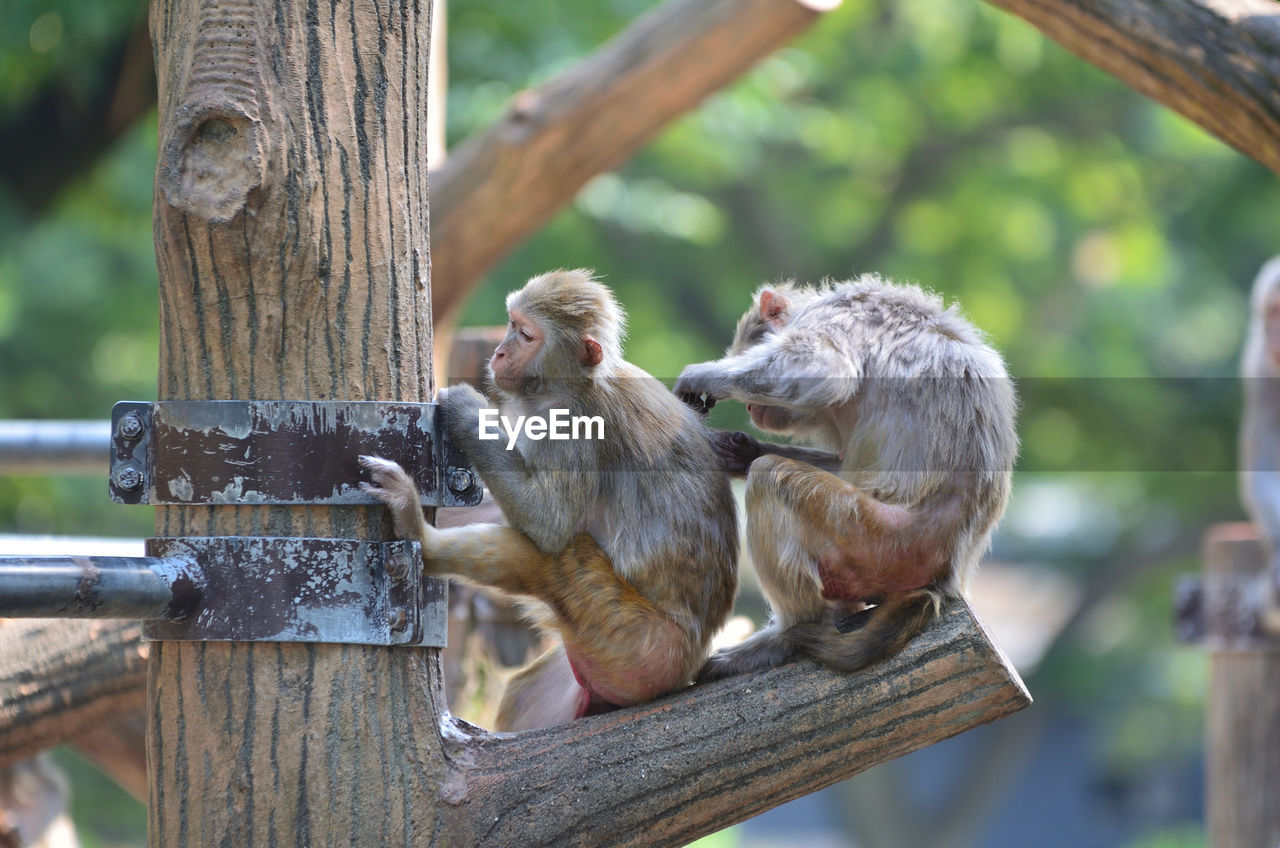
column 524, row 334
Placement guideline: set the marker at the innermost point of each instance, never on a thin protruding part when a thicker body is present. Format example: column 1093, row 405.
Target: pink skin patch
column 869, row 573
column 645, row 678
column 589, row 702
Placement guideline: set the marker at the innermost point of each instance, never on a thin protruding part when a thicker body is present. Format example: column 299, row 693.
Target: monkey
column 860, row 542
column 629, row 542
column 1260, row 427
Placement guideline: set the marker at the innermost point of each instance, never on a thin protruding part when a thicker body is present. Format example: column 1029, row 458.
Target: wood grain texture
column 1217, row 62
column 501, row 185
column 699, row 760
column 59, row 678
column 1242, row 731
column 292, row 245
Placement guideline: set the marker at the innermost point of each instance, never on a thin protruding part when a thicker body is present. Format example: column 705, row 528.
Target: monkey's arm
column 489, row 554
column 545, row 504
column 785, row 370
column 737, row 450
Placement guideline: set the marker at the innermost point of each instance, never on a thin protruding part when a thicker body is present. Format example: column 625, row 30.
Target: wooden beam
column 500, row 186
column 701, row 759
column 1242, row 756
column 1216, row 62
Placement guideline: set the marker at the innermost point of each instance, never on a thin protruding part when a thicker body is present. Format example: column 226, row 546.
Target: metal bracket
column 279, row 452
column 305, row 590
column 1224, row 612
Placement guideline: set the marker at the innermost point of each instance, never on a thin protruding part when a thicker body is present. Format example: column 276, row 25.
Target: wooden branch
column 1217, row 62
column 59, row 679
column 702, row 759
column 120, row 751
column 500, row 186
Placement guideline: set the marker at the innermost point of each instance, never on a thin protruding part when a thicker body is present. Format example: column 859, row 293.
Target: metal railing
column 55, row 447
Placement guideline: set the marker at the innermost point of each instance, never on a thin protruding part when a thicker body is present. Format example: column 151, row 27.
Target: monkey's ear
column 591, row 354
column 773, row 307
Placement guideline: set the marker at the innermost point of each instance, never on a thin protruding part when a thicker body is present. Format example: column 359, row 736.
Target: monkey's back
column 934, row 405
column 673, row 527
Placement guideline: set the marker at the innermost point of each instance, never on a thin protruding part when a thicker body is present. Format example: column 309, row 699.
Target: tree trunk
column 292, row 244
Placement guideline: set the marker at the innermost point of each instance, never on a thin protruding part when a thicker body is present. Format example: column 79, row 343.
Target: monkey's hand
column 460, row 405
column 394, row 487
column 698, row 387
column 735, row 450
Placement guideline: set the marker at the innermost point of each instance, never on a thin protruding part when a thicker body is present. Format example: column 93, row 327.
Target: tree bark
column 502, row 185
column 1216, row 62
column 292, row 245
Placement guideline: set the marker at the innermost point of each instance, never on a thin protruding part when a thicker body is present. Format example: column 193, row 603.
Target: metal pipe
column 97, row 587
column 54, row 447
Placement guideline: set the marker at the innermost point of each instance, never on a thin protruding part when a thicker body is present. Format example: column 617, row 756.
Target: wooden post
column 1243, row 710
column 291, row 239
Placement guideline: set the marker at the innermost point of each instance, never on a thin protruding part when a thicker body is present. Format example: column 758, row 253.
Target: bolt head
column 130, row 427
column 460, row 480
column 397, row 567
column 127, row 477
column 398, row 618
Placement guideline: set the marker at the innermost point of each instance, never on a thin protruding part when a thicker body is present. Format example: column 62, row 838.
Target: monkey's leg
column 818, row 542
column 786, row 565
column 621, row 646
column 542, row 694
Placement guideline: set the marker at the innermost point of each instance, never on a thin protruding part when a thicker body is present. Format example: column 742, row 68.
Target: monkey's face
column 515, row 355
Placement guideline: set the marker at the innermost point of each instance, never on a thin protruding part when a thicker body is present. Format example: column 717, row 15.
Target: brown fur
column 629, row 542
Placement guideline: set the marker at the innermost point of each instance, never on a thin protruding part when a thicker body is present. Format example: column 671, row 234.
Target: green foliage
column 45, row 42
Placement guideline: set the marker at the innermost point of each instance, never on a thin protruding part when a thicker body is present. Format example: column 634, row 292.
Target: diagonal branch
column 704, row 758
column 1216, row 62
column 503, row 184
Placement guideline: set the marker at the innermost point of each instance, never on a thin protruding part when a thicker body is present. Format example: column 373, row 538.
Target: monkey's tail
column 876, row 633
column 763, row 650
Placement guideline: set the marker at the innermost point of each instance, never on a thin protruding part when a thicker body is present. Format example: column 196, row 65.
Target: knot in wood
column 211, row 163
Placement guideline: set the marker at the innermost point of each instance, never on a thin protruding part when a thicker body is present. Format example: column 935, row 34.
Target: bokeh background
column 1104, row 243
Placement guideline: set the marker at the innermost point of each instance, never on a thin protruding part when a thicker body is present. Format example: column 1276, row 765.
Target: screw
column 397, row 567
column 460, row 480
column 127, row 477
column 130, row 427
column 398, row 618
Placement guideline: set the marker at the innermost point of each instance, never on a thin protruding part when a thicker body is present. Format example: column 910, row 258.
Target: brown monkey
column 1260, row 429
column 917, row 414
column 629, row 540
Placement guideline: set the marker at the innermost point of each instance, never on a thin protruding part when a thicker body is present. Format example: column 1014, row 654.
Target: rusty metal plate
column 278, row 452
column 306, row 590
